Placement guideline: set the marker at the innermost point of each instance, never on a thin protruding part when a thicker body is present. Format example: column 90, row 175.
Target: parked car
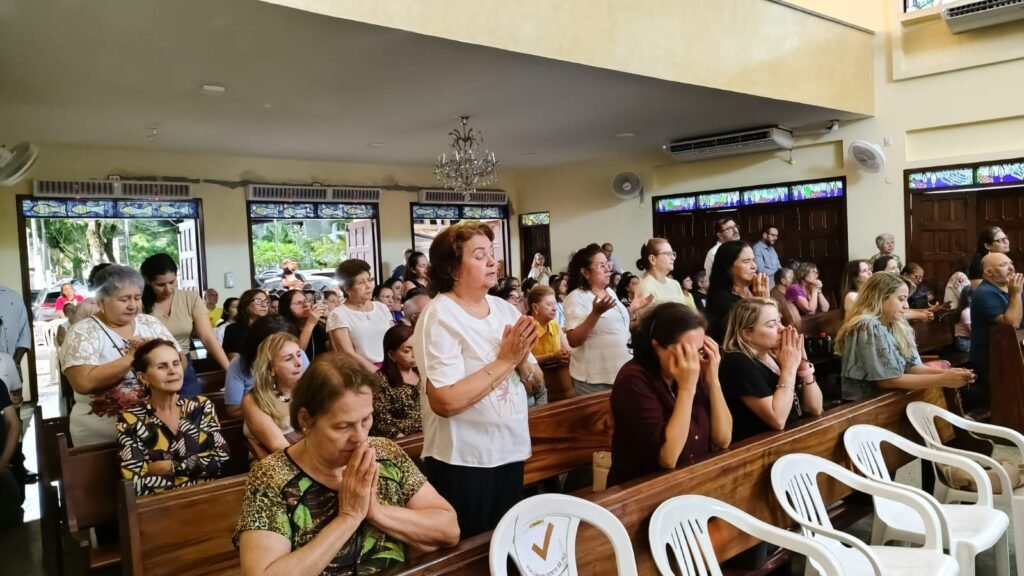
column 319, row 283
column 43, row 309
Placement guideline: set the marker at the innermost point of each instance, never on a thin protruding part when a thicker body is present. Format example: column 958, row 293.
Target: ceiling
column 300, row 85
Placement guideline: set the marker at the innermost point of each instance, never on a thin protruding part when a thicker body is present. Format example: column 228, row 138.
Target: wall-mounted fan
column 869, row 157
column 627, row 185
column 15, row 162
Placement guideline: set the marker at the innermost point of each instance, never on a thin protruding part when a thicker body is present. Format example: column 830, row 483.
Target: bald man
column 997, row 300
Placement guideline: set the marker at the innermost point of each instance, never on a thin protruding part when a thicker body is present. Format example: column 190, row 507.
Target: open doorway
column 429, row 220
column 535, row 237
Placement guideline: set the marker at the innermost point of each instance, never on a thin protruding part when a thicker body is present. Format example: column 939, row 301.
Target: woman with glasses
column 658, row 260
column 596, row 323
column 252, row 305
column 304, row 317
column 357, row 326
column 991, row 239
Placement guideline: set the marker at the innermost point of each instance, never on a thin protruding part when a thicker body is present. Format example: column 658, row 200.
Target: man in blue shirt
column 997, row 300
column 765, row 256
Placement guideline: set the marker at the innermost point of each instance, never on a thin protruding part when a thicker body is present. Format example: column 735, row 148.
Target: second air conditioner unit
column 971, row 14
column 759, row 140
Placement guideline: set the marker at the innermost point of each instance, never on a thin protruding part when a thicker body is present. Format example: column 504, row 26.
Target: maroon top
column 642, row 404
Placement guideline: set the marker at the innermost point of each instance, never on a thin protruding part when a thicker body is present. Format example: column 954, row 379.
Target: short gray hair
column 115, row 277
column 882, row 238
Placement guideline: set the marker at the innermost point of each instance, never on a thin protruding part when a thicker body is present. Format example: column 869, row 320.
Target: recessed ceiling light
column 376, row 144
column 213, row 89
column 624, row 135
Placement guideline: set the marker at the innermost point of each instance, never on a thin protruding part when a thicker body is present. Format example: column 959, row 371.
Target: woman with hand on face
column 168, row 441
column 98, row 352
column 278, row 367
column 877, row 345
column 805, row 293
column 658, row 259
column 304, row 317
column 252, row 305
column 182, row 312
column 357, row 326
column 667, row 403
column 733, row 277
column 767, row 380
column 596, row 323
column 473, row 353
column 338, row 502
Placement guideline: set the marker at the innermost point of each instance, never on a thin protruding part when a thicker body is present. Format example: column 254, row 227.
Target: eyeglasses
column 601, row 266
column 260, row 301
column 1001, row 240
column 732, row 228
column 672, row 254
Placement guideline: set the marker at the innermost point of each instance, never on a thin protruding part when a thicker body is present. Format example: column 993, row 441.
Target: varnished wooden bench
column 48, row 467
column 212, row 381
column 1006, row 376
column 739, row 476
column 89, row 476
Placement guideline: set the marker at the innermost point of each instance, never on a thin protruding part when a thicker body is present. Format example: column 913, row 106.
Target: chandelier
column 467, row 165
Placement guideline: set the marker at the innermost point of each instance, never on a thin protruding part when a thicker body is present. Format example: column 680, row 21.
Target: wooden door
column 1003, row 208
column 188, row 257
column 943, row 229
column 535, row 239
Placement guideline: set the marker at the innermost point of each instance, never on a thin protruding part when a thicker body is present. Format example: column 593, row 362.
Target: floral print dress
column 280, row 497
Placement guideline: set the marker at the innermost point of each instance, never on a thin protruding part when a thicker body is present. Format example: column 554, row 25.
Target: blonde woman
column 539, row 271
column 658, row 259
column 276, row 371
column 765, row 376
column 877, row 345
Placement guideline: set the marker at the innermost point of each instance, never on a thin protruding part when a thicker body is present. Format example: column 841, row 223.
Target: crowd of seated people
column 448, row 349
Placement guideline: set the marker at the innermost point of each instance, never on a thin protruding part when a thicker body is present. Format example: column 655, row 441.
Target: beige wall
column 227, row 242
column 972, row 113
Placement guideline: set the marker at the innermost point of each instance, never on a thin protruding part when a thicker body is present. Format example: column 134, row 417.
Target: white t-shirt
column 598, row 359
column 90, row 342
column 709, row 260
column 365, row 329
column 449, row 345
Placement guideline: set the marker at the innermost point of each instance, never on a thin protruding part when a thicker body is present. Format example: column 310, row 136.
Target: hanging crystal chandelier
column 467, row 166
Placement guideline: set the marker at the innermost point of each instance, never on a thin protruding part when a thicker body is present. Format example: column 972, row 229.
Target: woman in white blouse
column 473, row 352
column 358, row 325
column 539, row 271
column 98, row 351
column 596, row 323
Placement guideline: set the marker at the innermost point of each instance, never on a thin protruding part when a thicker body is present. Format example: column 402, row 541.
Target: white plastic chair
column 682, row 523
column 540, row 535
column 922, row 417
column 795, row 482
column 966, row 529
column 50, row 340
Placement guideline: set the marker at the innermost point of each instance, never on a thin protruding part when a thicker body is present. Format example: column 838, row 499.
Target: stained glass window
column 280, row 210
column 427, row 212
column 677, row 204
column 719, row 200
column 483, row 212
column 766, row 195
column 948, row 178
column 335, row 211
column 816, row 190
column 1000, row 173
column 139, row 209
column 915, row 5
column 535, row 219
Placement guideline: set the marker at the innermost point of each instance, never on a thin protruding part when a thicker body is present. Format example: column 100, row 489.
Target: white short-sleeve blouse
column 366, row 329
column 598, row 359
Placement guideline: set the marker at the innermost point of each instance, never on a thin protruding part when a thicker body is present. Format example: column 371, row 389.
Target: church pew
column 87, row 483
column 739, row 476
column 160, row 534
column 821, row 323
column 48, row 468
column 1006, row 376
column 212, row 381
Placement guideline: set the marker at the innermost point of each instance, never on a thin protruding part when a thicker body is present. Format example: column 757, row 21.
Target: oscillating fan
column 627, row 185
column 16, row 162
column 869, row 157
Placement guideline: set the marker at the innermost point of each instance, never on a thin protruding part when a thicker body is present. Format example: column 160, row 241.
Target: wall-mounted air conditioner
column 760, row 140
column 111, row 188
column 290, row 193
column 971, row 14
column 492, row 197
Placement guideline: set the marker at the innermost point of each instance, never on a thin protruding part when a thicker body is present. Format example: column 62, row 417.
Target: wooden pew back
column 211, row 381
column 1006, row 376
column 89, row 477
column 48, row 467
column 181, row 532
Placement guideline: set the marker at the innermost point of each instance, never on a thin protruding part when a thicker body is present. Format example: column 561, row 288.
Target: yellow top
column 549, row 339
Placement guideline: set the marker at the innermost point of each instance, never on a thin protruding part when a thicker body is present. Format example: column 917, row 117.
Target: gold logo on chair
column 543, row 551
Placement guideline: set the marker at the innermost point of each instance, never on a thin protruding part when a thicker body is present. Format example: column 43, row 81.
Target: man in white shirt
column 14, row 334
column 725, row 230
column 608, row 250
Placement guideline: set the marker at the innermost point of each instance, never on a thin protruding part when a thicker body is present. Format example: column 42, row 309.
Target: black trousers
column 480, row 496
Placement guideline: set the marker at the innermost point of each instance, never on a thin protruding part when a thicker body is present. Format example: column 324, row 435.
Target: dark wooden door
column 535, row 239
column 688, row 233
column 1003, row 208
column 943, row 229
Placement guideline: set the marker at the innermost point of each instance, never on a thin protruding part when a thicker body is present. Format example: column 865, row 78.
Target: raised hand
column 517, row 341
column 640, row 303
column 602, row 305
column 1016, row 284
column 710, row 359
column 684, row 363
column 316, row 312
column 357, row 483
column 759, row 288
column 790, row 352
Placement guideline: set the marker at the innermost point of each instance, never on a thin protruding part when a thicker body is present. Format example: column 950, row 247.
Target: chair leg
column 1002, row 554
column 964, row 556
column 878, row 532
column 1017, row 526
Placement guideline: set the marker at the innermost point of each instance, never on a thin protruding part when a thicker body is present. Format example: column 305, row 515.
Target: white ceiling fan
column 16, row 162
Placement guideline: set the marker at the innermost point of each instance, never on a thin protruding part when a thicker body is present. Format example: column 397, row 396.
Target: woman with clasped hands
column 473, row 352
column 667, row 403
column 339, row 501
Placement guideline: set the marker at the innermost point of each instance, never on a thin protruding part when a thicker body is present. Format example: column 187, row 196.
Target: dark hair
column 413, row 259
column 583, row 258
column 664, row 325
column 410, row 294
column 910, row 268
column 881, row 263
column 622, row 290
column 721, row 269
column 92, row 281
column 256, row 334
column 850, row 273
column 646, row 251
column 378, row 289
column 504, row 290
column 964, row 301
column 721, row 222
column 327, row 378
column 328, row 293
column 768, row 228
column 393, row 339
column 698, row 276
column 140, row 362
column 243, row 306
column 528, row 284
column 987, row 236
column 349, row 270
column 227, row 306
column 284, row 309
column 781, row 273
column 156, row 265
column 446, row 253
